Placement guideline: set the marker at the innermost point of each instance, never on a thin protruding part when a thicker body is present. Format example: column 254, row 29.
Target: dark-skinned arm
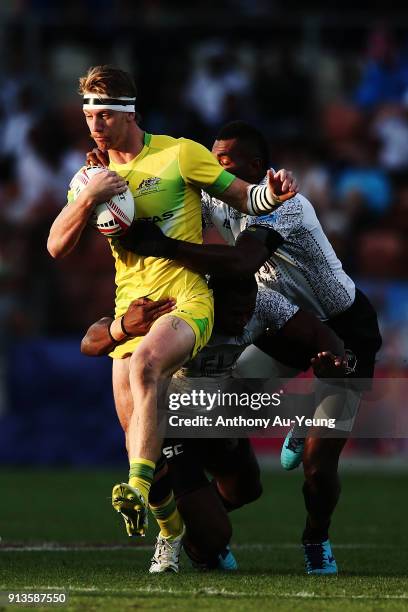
column 97, row 340
column 103, row 335
column 321, row 336
column 332, row 359
column 305, row 333
column 253, row 247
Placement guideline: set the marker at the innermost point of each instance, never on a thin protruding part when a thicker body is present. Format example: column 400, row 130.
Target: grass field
column 58, row 531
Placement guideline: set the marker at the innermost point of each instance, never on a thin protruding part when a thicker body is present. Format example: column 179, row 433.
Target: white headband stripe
column 98, row 96
column 102, row 101
column 129, row 108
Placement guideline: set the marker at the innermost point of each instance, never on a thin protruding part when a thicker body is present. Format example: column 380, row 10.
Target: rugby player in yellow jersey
column 165, row 176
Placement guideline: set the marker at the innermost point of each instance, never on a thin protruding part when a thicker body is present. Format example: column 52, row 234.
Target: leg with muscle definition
column 321, row 488
column 148, row 371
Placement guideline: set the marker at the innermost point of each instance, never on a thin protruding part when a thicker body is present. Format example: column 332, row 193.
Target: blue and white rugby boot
column 319, row 559
column 292, row 451
column 226, row 560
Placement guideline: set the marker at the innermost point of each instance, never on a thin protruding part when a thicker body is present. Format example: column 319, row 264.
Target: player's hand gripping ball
column 112, row 218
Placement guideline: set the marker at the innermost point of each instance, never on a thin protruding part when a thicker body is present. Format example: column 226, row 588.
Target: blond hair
column 107, row 80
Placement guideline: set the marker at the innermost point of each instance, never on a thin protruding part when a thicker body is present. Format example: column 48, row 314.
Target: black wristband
column 122, row 325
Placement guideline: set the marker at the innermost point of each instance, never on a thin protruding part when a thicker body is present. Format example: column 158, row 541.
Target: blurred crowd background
column 327, row 85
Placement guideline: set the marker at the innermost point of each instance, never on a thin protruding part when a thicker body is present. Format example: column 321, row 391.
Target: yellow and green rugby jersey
column 166, row 180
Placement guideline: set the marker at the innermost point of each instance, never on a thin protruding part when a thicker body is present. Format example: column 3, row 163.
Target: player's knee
column 145, row 367
column 320, row 462
column 245, row 494
column 244, row 488
column 317, row 473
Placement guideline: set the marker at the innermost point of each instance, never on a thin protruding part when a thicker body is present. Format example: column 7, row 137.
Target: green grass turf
column 73, row 508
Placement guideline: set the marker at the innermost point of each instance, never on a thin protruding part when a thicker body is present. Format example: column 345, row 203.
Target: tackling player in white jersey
column 292, row 256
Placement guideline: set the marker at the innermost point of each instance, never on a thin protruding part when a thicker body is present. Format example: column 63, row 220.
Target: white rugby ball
column 111, row 218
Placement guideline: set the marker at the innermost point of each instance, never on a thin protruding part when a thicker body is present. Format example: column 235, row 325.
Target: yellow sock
column 141, row 474
column 168, row 517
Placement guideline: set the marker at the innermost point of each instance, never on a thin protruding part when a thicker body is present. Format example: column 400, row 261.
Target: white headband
column 94, row 101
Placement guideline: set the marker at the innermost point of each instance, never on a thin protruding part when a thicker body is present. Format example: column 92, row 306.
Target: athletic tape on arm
column 258, row 202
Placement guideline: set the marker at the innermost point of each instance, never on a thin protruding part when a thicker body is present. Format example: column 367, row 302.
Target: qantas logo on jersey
column 149, row 185
column 157, row 219
column 150, row 182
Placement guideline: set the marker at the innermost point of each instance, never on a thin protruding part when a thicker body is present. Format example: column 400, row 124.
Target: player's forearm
column 102, row 337
column 327, row 340
column 236, row 195
column 305, row 331
column 255, row 200
column 68, row 226
column 97, row 340
column 234, row 261
column 254, row 246
column 213, row 259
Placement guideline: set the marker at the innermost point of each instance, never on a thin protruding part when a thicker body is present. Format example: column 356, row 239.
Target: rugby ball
column 111, row 218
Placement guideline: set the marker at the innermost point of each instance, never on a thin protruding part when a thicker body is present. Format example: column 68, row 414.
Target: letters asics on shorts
column 131, row 504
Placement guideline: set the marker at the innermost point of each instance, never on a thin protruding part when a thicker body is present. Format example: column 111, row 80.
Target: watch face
column 350, row 362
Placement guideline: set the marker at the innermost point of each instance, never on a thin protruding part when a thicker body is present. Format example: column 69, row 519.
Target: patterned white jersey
column 305, row 268
column 218, row 357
